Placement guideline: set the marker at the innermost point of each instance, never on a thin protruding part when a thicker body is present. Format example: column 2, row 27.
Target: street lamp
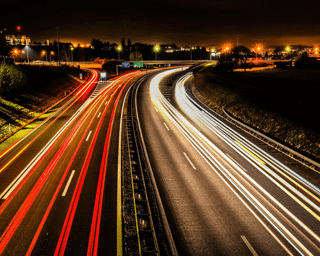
column 14, row 51
column 45, row 53
column 258, row 49
column 71, row 52
column 51, row 54
column 212, row 52
column 156, row 48
column 119, row 49
column 27, row 48
column 226, row 48
column 287, row 49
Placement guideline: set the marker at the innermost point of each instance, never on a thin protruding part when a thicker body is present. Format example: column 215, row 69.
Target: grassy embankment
column 45, row 86
column 283, row 104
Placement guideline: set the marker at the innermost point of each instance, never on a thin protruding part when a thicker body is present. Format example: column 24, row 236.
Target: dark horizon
column 250, row 22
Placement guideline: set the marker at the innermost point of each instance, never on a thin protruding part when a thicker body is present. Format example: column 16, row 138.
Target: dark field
column 281, row 103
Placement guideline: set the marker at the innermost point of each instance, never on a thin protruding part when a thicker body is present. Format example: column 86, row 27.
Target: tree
column 123, row 43
column 136, row 55
column 129, row 44
column 10, row 78
column 96, row 44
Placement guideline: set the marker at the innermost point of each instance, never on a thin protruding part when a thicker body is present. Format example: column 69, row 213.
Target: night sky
column 182, row 22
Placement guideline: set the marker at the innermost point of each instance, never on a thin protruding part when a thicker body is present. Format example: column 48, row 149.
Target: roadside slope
column 279, row 103
column 44, row 88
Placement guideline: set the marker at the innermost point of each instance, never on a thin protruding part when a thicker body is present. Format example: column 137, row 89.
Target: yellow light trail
column 14, row 158
column 250, row 152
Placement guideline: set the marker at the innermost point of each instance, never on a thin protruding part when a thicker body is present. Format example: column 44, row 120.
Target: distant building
column 17, row 40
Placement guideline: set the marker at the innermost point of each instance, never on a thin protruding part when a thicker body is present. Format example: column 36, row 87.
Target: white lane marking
column 189, row 161
column 166, row 126
column 68, row 184
column 239, row 165
column 106, row 103
column 249, row 246
column 156, row 109
column 88, row 136
column 99, row 115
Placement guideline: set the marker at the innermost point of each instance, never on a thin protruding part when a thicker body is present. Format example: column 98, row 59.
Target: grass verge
column 44, row 88
column 280, row 103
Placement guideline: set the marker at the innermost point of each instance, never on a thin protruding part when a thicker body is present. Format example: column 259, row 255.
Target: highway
column 224, row 192
column 59, row 184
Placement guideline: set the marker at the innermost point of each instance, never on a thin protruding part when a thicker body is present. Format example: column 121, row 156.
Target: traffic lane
column 86, row 224
column 263, row 173
column 16, row 159
column 196, row 201
column 31, row 217
column 80, row 230
column 297, row 167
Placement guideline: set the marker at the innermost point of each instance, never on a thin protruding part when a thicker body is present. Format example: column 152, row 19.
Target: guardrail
column 290, row 152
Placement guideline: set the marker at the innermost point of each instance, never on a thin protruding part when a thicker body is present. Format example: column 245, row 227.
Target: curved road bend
column 221, row 195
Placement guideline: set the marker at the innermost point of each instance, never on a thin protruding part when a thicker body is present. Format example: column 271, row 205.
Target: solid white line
column 99, row 115
column 166, row 126
column 106, row 103
column 249, row 246
column 156, row 109
column 68, row 184
column 88, row 136
column 189, row 161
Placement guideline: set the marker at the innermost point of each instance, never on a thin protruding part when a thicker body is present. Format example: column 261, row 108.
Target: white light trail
column 258, row 158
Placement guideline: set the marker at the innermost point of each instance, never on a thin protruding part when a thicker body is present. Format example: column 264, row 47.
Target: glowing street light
column 27, row 48
column 258, row 49
column 45, row 53
column 14, row 51
column 226, row 48
column 212, row 52
column 51, row 54
column 119, row 49
column 72, row 49
column 316, row 50
column 156, row 49
column 287, row 49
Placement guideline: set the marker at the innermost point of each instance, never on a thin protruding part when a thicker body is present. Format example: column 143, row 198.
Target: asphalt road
column 224, row 192
column 59, row 184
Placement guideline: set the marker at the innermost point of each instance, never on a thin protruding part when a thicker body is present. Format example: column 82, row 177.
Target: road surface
column 59, row 185
column 224, row 192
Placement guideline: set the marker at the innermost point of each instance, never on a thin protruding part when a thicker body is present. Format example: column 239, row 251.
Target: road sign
column 126, row 64
column 138, row 64
column 103, row 75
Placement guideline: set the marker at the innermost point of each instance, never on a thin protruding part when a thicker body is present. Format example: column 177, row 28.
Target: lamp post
column 51, row 54
column 119, row 49
column 45, row 53
column 71, row 53
column 27, row 48
column 287, row 49
column 156, row 48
